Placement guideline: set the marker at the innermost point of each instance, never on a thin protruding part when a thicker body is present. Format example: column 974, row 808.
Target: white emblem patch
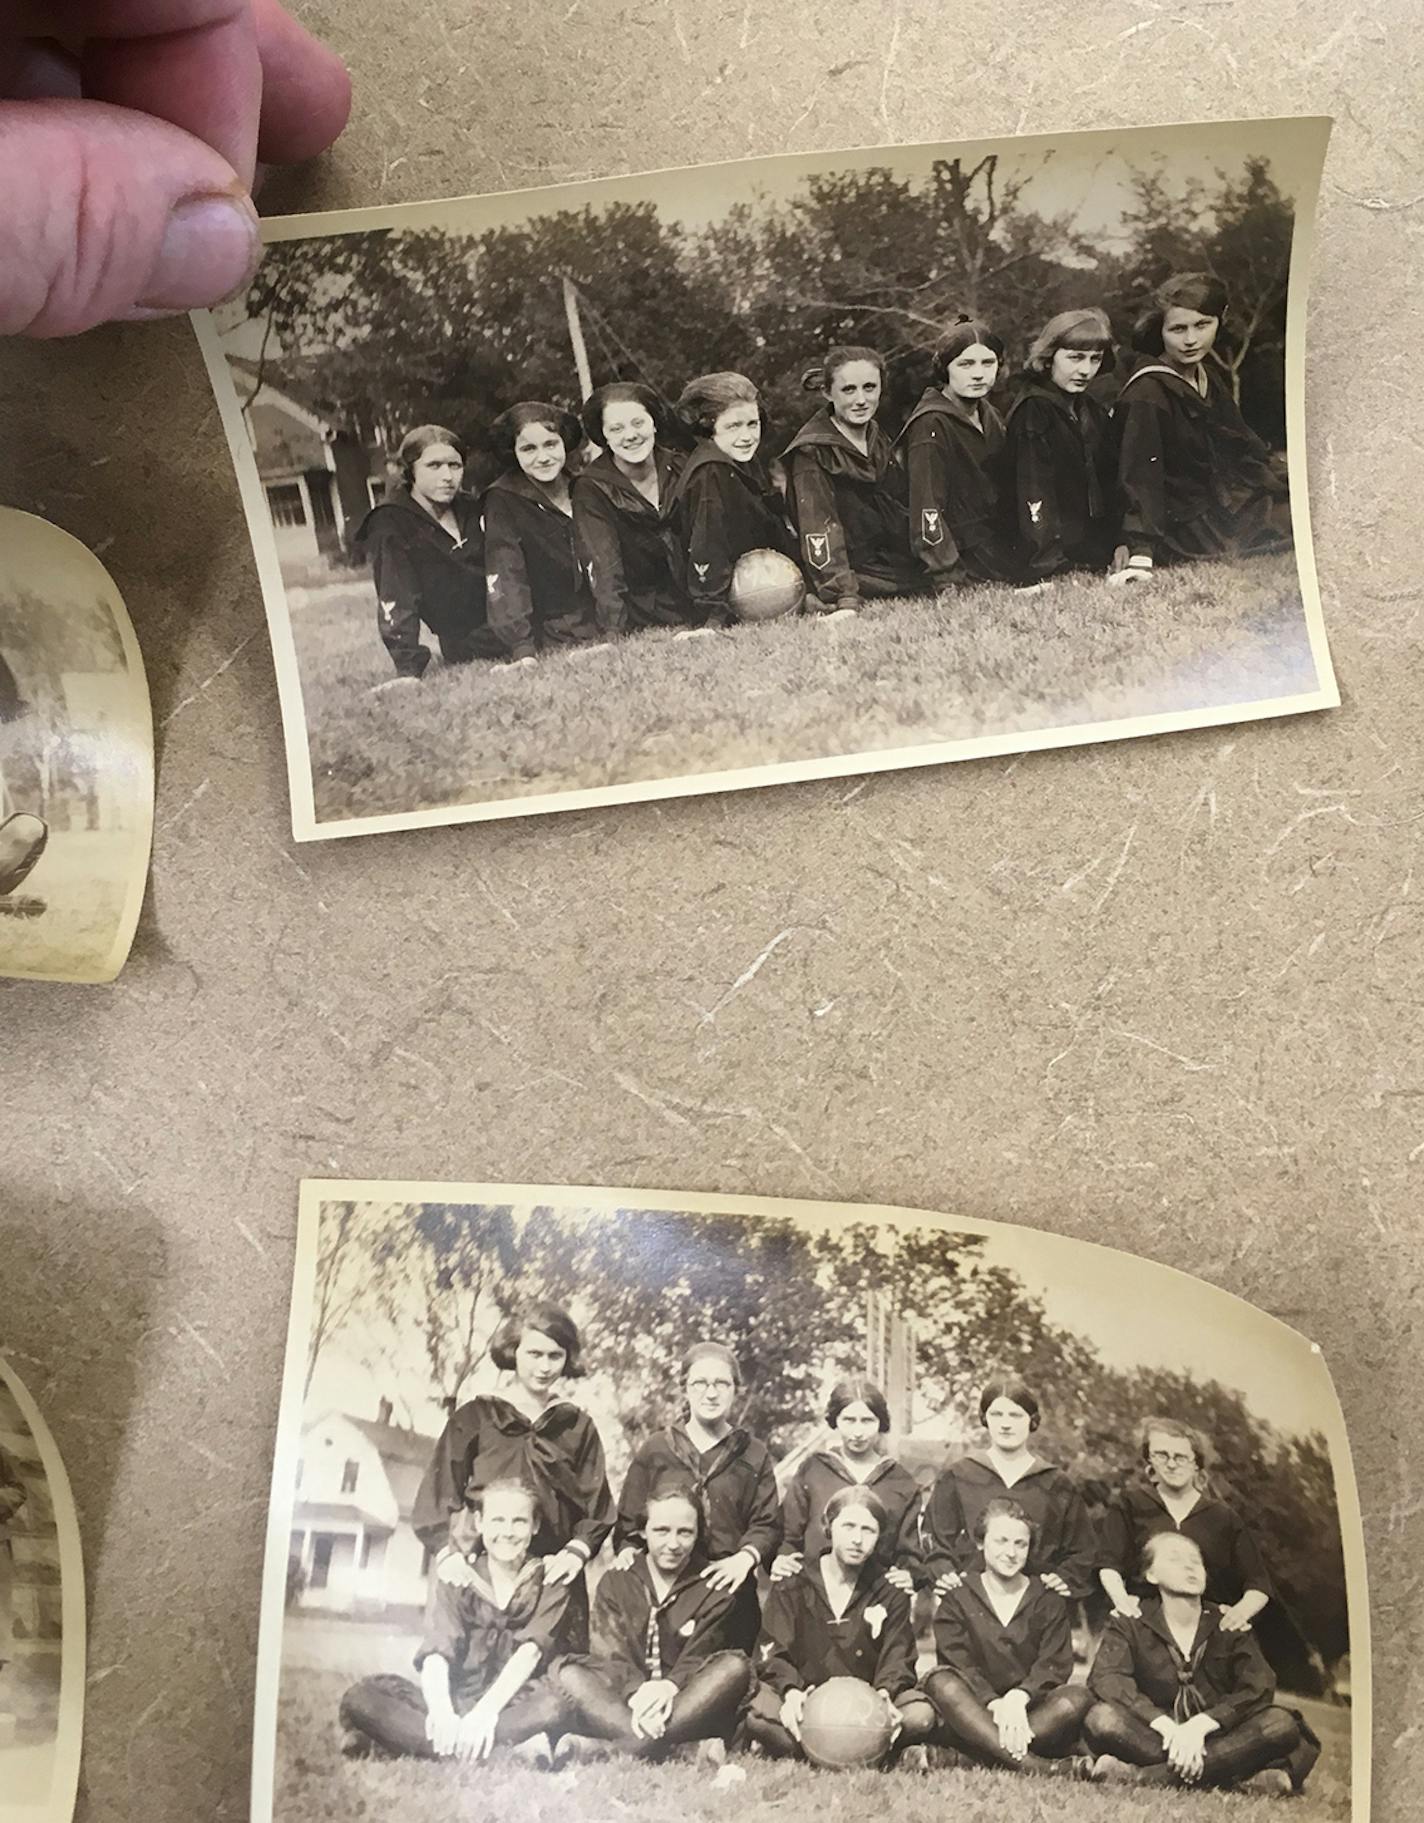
column 687, row 1629
column 492, row 580
column 701, row 569
column 875, row 1619
column 1035, row 510
column 388, row 612
column 931, row 528
column 818, row 549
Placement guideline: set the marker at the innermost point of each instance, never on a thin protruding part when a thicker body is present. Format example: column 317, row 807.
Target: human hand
column 1184, row 1752
column 443, row 1732
column 1010, row 1713
column 624, row 1559
column 476, row 1732
column 901, row 1580
column 896, row 1720
column 793, row 1706
column 563, row 1566
column 1128, row 1606
column 650, row 1706
column 729, row 1573
column 1237, row 1618
column 1051, row 1580
column 786, row 1564
column 950, row 1580
column 130, row 136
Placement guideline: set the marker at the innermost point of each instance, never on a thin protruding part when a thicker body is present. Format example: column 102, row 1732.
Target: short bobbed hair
column 1083, row 331
column 822, row 376
column 414, row 444
column 475, row 1498
column 510, row 425
column 855, row 1497
column 621, row 392
column 1173, row 1427
column 703, row 400
column 1001, row 1507
column 672, row 1484
column 1199, row 291
column 1007, row 1386
column 550, row 1320
column 965, row 332
column 710, row 1351
column 857, row 1389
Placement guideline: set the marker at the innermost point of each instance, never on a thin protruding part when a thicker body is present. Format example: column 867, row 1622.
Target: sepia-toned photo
column 591, row 1503
column 76, row 760
column 41, row 1619
column 790, row 468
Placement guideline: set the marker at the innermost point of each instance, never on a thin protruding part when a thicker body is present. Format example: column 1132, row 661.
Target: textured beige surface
column 1165, row 994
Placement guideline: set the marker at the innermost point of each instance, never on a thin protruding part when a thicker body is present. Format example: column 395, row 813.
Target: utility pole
column 571, row 312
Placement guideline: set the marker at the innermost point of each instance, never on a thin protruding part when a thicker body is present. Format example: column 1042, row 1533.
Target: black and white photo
column 609, row 1503
column 76, row 760
column 784, row 469
column 41, row 1618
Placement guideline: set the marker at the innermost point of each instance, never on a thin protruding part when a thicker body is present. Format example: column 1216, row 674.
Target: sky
column 1136, row 1313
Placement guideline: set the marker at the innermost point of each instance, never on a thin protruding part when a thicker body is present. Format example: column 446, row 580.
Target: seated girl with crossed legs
column 660, row 1672
column 1180, row 1700
column 492, row 1626
column 1005, row 1648
column 841, row 1616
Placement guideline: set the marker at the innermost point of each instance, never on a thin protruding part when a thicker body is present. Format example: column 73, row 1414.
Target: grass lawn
column 315, row 1785
column 903, row 673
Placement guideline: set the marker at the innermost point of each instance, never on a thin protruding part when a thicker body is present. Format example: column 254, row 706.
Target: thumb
column 110, row 214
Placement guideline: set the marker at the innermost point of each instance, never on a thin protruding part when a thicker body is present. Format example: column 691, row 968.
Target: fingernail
column 210, row 249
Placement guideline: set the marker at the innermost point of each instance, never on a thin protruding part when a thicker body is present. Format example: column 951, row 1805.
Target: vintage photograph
column 787, row 468
column 41, row 1619
column 592, row 1503
column 76, row 760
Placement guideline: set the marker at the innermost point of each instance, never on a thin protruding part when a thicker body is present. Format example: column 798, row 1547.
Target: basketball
column 845, row 1724
column 764, row 585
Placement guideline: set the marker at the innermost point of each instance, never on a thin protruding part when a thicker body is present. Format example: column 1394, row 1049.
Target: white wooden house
column 351, row 1534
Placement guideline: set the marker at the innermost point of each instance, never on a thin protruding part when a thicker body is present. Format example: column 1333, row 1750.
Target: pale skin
column 971, row 376
column 1175, row 1469
column 737, row 430
column 671, row 1535
column 1188, row 337
column 1073, row 370
column 711, row 1390
column 1179, row 1575
column 435, row 479
column 105, row 211
column 1009, row 1427
column 1006, row 1549
column 858, row 1434
column 539, row 1364
column 854, row 1534
column 506, row 1527
column 630, row 435
column 854, row 391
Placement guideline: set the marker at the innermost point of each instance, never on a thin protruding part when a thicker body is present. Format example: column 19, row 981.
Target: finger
column 306, row 89
column 192, row 62
column 108, row 214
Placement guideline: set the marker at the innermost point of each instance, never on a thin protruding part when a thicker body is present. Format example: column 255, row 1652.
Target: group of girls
column 727, row 1602
column 567, row 554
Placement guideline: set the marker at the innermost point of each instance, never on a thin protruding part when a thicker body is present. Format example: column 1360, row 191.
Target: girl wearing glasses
column 732, row 1473
column 1177, row 1498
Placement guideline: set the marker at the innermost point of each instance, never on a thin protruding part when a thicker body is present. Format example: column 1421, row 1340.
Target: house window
column 348, row 1477
column 322, row 1548
column 286, row 501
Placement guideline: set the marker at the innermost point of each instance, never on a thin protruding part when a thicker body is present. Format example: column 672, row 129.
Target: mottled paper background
column 1165, row 994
